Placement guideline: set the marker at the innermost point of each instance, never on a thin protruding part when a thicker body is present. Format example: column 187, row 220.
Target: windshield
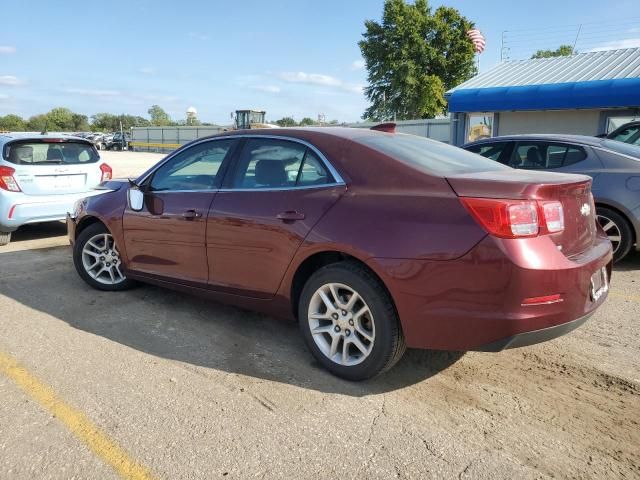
column 430, row 156
column 623, row 148
column 34, row 152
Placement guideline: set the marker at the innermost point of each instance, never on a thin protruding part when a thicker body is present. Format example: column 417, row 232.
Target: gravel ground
column 195, row 389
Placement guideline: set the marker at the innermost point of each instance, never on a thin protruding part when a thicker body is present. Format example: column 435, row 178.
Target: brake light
column 553, row 214
column 516, row 218
column 7, row 181
column 107, row 172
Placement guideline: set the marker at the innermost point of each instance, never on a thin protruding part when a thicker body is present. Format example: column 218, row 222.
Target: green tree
column 158, row 116
column 307, row 121
column 80, row 122
column 37, row 123
column 413, row 57
column 286, row 122
column 12, row 123
column 60, row 119
column 561, row 51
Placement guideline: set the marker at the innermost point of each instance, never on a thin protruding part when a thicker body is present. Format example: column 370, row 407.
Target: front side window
column 271, row 163
column 489, row 150
column 628, row 135
column 196, row 168
column 617, row 122
column 49, row 153
column 479, row 125
column 545, row 156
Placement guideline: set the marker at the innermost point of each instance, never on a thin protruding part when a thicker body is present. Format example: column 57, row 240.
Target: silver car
column 614, row 167
column 42, row 176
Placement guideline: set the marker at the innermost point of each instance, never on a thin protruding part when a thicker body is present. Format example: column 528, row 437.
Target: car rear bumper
column 477, row 302
column 20, row 209
column 535, row 336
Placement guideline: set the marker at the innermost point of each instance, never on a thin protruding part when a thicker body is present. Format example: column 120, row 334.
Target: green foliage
column 12, row 123
column 286, row 122
column 107, row 122
column 307, row 121
column 37, row 123
column 561, row 51
column 413, row 57
column 159, row 117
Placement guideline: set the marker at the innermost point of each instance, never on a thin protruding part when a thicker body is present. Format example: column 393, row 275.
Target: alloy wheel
column 612, row 230
column 101, row 260
column 341, row 324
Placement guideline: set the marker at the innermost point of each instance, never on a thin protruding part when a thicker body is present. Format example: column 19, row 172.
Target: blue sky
column 297, row 58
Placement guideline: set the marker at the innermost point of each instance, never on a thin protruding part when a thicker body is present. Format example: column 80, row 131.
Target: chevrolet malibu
column 374, row 241
column 41, row 177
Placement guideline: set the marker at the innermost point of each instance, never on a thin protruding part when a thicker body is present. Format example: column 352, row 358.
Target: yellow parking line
column 77, row 422
column 633, row 298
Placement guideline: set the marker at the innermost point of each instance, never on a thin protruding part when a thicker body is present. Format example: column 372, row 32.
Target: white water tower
column 192, row 115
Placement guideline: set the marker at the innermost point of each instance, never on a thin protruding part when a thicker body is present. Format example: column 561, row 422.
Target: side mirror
column 136, row 199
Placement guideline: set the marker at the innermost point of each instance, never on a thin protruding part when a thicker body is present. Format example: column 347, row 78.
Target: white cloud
column 10, row 80
column 93, row 93
column 147, row 70
column 319, row 79
column 7, row 49
column 3, row 96
column 198, row 36
column 358, row 65
column 267, row 88
column 618, row 44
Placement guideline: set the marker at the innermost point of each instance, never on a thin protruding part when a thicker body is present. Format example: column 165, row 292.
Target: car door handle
column 290, row 216
column 191, row 214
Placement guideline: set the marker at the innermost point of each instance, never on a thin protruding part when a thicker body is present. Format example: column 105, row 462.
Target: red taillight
column 553, row 215
column 7, row 182
column 516, row 218
column 107, row 173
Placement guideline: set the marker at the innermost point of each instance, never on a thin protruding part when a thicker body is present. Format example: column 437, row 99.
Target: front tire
column 97, row 260
column 617, row 229
column 349, row 322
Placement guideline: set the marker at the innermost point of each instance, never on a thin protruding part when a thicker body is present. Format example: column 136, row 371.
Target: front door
column 167, row 237
column 277, row 193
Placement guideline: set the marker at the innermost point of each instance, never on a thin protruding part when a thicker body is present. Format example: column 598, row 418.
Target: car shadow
column 39, row 231
column 191, row 330
column 628, row 263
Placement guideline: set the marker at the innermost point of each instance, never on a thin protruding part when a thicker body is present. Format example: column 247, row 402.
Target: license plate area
column 599, row 284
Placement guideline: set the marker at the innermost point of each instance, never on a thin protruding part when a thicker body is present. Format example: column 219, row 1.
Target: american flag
column 478, row 40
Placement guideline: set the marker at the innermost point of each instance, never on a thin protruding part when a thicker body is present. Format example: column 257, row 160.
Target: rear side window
column 270, row 163
column 545, row 156
column 492, row 151
column 49, row 153
column 428, row 155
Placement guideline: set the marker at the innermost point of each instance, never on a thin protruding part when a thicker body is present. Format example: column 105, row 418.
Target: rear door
column 54, row 166
column 276, row 193
column 167, row 237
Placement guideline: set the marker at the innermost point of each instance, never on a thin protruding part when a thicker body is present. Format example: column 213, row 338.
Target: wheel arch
column 315, row 261
column 623, row 214
column 86, row 221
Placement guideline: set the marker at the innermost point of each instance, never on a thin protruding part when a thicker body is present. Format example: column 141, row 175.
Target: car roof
column 9, row 136
column 549, row 137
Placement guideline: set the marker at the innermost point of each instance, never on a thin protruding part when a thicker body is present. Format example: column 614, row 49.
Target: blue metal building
column 587, row 93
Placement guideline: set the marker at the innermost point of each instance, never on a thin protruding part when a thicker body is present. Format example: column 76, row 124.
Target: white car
column 42, row 176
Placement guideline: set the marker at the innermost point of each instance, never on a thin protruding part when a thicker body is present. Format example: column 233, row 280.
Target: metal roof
column 582, row 67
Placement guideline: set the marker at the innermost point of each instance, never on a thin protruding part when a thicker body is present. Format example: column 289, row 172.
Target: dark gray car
column 614, row 167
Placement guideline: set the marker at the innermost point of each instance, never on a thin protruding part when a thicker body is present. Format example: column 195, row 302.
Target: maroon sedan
column 373, row 240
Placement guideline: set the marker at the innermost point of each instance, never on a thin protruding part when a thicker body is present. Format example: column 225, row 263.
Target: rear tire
column 617, row 229
column 355, row 338
column 5, row 238
column 97, row 260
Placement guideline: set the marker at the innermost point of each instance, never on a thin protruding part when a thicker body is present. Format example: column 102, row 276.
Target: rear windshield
column 49, row 153
column 428, row 155
column 623, row 148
